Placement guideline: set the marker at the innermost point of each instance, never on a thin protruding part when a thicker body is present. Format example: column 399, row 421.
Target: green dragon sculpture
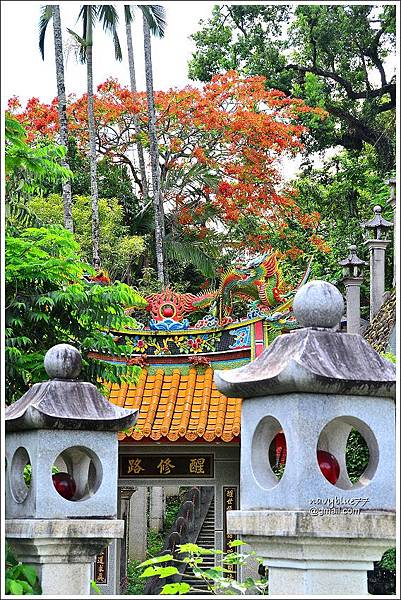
column 258, row 281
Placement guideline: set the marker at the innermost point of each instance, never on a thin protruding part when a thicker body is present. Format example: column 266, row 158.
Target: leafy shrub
column 356, row 455
column 20, row 579
column 217, row 577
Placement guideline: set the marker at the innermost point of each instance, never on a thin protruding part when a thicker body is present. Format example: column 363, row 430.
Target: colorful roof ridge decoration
column 178, row 406
column 258, row 281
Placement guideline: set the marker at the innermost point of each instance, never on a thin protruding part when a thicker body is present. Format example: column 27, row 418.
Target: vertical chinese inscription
column 101, row 566
column 229, row 503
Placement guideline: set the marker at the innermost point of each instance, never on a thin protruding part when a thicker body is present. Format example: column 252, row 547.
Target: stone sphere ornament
column 65, row 485
column 63, row 362
column 318, row 304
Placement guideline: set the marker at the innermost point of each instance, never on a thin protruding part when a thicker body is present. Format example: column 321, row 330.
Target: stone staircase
column 205, row 539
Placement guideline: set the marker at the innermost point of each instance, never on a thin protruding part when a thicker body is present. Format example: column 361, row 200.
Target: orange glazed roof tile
column 178, row 406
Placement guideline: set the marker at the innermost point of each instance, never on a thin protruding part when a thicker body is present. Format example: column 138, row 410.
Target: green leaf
column 156, row 559
column 29, row 573
column 95, row 587
column 16, row 588
column 159, row 571
column 235, row 543
column 174, row 589
column 195, row 549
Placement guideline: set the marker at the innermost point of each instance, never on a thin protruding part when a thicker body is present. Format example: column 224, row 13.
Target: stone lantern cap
column 63, row 402
column 352, row 259
column 315, row 359
column 378, row 222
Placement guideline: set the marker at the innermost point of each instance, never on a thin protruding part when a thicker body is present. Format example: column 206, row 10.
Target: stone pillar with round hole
column 318, row 525
column 378, row 227
column 61, row 474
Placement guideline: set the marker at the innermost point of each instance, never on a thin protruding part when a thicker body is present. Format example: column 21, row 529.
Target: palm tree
column 128, row 13
column 154, row 21
column 107, row 15
column 47, row 12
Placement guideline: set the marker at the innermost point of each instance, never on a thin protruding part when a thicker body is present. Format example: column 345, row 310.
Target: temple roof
column 178, row 406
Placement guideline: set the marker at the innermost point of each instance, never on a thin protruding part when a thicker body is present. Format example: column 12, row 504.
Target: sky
column 25, row 74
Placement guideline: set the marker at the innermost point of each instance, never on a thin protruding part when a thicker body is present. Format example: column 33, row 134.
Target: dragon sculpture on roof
column 258, row 281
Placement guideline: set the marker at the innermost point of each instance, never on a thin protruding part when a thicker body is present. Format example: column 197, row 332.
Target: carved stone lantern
column 376, row 231
column 317, row 534
column 352, row 271
column 61, row 476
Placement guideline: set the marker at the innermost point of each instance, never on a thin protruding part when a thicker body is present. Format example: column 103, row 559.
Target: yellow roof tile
column 178, row 406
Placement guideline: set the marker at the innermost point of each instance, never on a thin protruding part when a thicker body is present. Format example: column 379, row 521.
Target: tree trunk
column 154, row 158
column 139, row 147
column 62, row 113
column 93, row 164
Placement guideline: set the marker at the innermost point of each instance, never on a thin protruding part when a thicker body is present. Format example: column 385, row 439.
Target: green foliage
column 20, row 579
column 95, row 587
column 356, row 455
column 343, row 191
column 27, row 167
column 118, row 249
column 389, row 356
column 136, row 585
column 155, row 542
column 215, row 577
column 346, row 73
column 113, row 182
column 49, row 302
column 173, row 505
column 388, row 561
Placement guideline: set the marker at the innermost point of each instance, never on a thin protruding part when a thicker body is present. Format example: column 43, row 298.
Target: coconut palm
column 128, row 13
column 106, row 14
column 154, row 22
column 48, row 12
column 149, row 16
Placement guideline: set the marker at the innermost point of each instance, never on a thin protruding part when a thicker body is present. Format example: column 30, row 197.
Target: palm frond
column 188, row 253
column 155, row 15
column 81, row 46
column 128, row 13
column 46, row 13
column 109, row 19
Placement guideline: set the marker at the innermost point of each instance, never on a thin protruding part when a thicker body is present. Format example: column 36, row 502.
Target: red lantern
column 328, row 465
column 65, row 485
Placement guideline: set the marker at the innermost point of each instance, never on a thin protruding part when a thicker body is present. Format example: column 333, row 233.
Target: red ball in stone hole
column 328, row 465
column 65, row 485
column 327, row 462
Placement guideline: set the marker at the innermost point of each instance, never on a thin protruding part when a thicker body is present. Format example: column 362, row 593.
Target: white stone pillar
column 307, row 554
column 156, row 508
column 62, row 550
column 353, row 297
column 352, row 280
column 377, row 250
column 377, row 245
column 137, row 524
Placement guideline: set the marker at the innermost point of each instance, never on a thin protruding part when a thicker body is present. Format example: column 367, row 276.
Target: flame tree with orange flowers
column 221, row 150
